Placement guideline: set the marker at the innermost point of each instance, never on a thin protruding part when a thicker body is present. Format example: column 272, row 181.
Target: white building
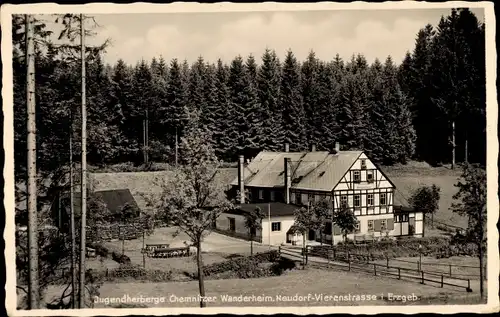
column 345, row 178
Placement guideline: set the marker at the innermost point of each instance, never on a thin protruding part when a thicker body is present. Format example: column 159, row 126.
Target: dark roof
column 114, row 199
column 276, row 209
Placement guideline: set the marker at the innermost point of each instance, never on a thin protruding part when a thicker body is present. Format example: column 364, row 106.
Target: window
column 273, row 196
column 232, row 224
column 383, row 225
column 310, row 198
column 357, row 176
column 370, row 225
column 357, row 200
column 298, row 199
column 357, row 227
column 383, row 199
column 343, row 201
column 261, row 194
column 276, row 226
column 396, row 218
column 369, row 199
column 363, row 164
column 369, row 176
column 328, row 228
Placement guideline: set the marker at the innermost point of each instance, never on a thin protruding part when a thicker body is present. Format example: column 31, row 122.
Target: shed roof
column 114, row 200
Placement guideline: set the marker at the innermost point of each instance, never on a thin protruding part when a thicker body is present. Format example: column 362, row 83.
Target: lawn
column 216, row 248
column 298, row 282
column 409, row 177
column 430, row 264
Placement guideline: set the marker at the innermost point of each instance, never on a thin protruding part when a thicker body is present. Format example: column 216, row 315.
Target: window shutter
column 377, row 225
column 390, row 224
column 336, row 230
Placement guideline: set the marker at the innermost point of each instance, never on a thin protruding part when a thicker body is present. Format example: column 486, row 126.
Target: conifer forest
column 426, row 107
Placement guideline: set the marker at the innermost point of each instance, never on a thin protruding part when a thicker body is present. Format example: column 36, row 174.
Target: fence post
column 468, row 286
column 442, row 281
column 375, row 269
column 388, row 262
column 418, row 265
column 450, row 269
column 399, row 273
column 333, row 253
column 422, row 282
column 349, row 262
column 307, row 253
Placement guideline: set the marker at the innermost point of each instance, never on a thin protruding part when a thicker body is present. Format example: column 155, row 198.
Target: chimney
column 288, row 180
column 313, row 148
column 337, row 147
column 287, row 147
column 241, row 178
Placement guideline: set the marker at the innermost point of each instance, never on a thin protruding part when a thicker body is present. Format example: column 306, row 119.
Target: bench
column 90, row 253
column 362, row 239
column 152, row 247
column 169, row 252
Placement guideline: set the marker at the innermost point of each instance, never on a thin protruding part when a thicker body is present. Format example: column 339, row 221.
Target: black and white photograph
column 185, row 157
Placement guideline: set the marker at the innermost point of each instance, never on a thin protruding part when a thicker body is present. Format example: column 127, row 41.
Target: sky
column 373, row 33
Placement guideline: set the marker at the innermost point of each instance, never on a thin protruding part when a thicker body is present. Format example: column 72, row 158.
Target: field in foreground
column 310, row 281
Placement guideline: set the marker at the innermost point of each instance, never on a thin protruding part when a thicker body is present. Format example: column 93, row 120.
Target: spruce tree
column 269, row 81
column 175, row 112
column 310, row 93
column 245, row 106
column 225, row 131
column 292, row 106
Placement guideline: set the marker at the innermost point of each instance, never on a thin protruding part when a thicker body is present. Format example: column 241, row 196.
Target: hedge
column 258, row 265
column 404, row 247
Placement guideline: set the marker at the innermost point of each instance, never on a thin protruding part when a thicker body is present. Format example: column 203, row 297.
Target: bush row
column 404, row 247
column 259, row 265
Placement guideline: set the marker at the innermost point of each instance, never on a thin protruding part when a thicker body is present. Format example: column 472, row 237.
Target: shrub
column 100, row 249
column 120, row 258
column 282, row 265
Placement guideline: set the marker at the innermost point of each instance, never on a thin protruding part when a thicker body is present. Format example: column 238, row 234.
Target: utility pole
column 33, row 293
column 72, row 217
column 81, row 289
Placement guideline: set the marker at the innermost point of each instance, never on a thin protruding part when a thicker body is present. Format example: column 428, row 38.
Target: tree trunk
column 304, row 250
column 466, row 154
column 453, row 145
column 33, row 286
column 81, row 297
column 481, row 274
column 251, row 245
column 481, row 264
column 176, row 147
column 72, row 219
column 144, row 155
column 201, row 282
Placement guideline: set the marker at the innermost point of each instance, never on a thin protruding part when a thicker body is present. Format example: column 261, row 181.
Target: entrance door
column 411, row 226
column 232, row 224
column 311, row 236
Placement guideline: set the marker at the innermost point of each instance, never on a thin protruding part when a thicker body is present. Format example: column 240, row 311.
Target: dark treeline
column 393, row 112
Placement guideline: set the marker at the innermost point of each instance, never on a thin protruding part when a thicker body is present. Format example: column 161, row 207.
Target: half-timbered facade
column 345, row 178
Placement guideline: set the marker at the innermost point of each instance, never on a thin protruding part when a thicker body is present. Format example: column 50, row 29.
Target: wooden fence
column 336, row 259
